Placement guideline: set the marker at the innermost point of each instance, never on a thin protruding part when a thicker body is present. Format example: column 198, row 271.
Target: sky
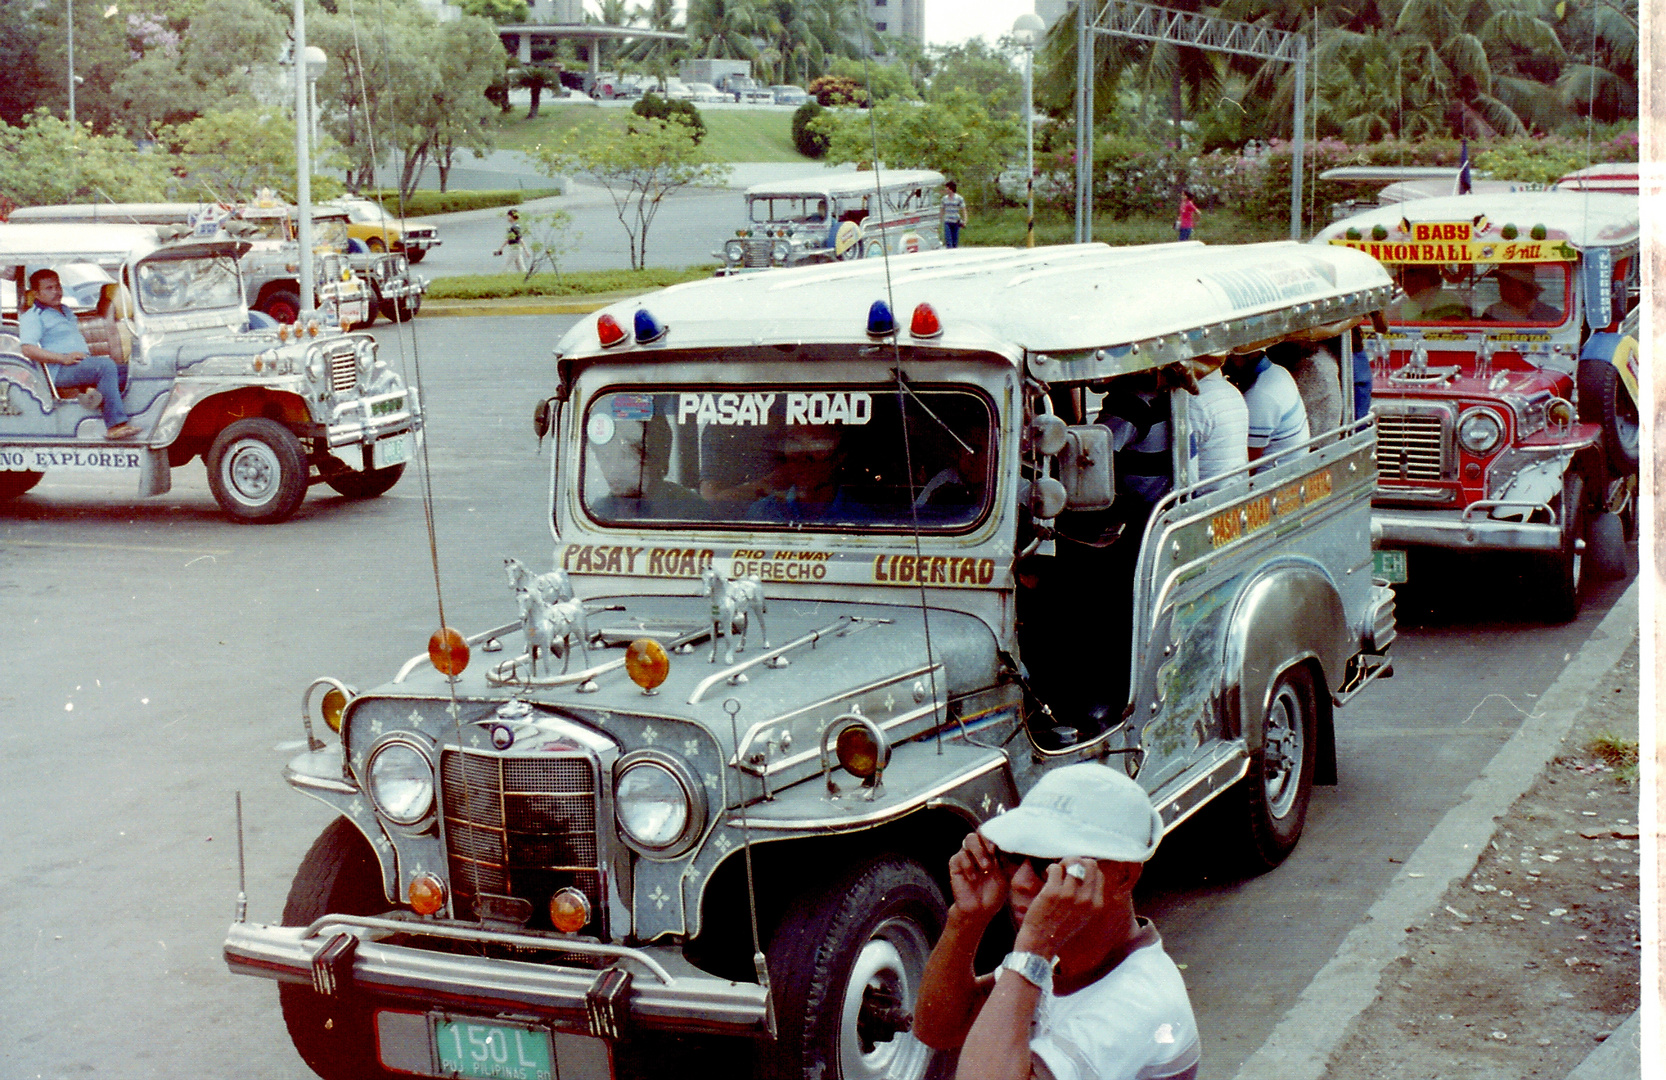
column 949, row 22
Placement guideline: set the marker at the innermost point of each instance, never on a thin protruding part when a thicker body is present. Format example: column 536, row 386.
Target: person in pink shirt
column 1188, row 216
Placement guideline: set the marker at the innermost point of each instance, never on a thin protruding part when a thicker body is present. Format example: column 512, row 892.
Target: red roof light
column 924, row 324
column 608, row 331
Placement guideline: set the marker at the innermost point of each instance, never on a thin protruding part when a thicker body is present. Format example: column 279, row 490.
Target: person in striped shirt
column 954, row 214
column 1277, row 416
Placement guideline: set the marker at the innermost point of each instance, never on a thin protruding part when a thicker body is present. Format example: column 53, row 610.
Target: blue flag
column 1463, row 171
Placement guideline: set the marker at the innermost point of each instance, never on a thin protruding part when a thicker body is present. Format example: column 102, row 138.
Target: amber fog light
column 335, row 704
column 858, row 752
column 569, row 910
column 647, row 664
column 427, row 894
column 448, row 651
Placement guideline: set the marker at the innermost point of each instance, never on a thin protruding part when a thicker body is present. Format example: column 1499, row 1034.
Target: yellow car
column 381, row 230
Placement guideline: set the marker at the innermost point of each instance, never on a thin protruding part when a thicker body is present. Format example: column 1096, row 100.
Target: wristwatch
column 1034, row 968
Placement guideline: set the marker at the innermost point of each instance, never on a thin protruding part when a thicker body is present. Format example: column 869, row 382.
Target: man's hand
column 1065, row 905
column 979, row 882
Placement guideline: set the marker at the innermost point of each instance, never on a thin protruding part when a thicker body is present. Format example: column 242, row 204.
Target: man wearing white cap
column 1087, row 992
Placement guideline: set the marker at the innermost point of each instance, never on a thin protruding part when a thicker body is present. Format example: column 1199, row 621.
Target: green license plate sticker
column 498, row 1051
column 1389, row 566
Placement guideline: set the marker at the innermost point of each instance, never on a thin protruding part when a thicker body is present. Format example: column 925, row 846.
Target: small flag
column 1463, row 171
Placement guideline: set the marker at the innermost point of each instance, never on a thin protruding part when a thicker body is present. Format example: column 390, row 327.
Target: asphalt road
column 154, row 655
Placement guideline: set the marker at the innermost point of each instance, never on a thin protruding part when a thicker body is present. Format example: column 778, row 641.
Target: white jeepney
column 841, row 568
column 1506, row 387
column 269, row 411
column 850, row 215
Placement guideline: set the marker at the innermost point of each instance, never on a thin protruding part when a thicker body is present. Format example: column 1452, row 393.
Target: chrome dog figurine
column 732, row 603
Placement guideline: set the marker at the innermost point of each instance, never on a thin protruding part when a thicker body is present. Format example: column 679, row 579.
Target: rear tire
column 376, row 244
column 1564, row 571
column 282, row 305
column 1603, row 399
column 257, row 470
column 1279, row 784
column 13, row 484
column 336, row 1035
column 398, row 311
column 840, row 949
column 368, row 484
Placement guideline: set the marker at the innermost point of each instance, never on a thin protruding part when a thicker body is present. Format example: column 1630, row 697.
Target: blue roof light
column 881, row 323
column 648, row 328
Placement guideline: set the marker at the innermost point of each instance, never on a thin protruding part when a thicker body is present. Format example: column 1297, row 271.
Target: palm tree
column 718, row 28
column 790, row 40
column 613, row 13
column 655, row 54
column 836, row 26
column 1601, row 76
column 1475, row 51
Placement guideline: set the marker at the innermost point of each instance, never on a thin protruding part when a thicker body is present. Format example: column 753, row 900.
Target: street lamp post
column 1027, row 29
column 316, row 61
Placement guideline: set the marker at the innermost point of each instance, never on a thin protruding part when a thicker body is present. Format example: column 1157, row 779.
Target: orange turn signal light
column 448, row 652
column 427, row 894
column 569, row 910
column 647, row 663
column 335, row 704
column 857, row 751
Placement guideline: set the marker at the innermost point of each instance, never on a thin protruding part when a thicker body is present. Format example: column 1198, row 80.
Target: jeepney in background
column 829, row 590
column 1506, row 424
column 382, row 230
column 269, row 411
column 849, row 215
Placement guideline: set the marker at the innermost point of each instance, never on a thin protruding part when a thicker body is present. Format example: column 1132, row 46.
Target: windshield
column 783, row 208
column 329, row 234
column 1512, row 294
column 785, row 458
column 169, row 285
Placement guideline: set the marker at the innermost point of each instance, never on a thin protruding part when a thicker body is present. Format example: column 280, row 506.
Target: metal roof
column 36, row 243
column 1593, row 219
column 1076, row 311
column 848, row 183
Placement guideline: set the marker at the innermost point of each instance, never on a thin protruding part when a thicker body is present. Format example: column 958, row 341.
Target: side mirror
column 543, row 418
column 1085, row 467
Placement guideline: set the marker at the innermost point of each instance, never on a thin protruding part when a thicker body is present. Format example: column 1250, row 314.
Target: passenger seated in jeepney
column 963, row 443
column 1427, row 299
column 807, row 483
column 1277, row 414
column 633, row 458
column 1518, row 297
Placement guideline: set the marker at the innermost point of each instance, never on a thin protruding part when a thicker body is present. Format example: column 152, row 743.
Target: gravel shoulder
column 1532, row 960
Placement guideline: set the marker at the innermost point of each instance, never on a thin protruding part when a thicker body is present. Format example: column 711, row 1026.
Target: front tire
column 416, row 255
column 403, row 310
column 257, row 471
column 845, row 955
column 1279, row 784
column 376, row 244
column 1603, row 399
column 282, row 305
column 368, row 484
column 1564, row 571
column 13, row 484
column 334, row 1035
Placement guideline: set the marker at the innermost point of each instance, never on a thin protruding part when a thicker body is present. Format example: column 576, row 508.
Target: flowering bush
column 149, row 33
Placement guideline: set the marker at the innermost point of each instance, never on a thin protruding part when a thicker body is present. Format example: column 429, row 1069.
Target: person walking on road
column 1187, row 221
column 514, row 244
column 954, row 215
column 1088, row 991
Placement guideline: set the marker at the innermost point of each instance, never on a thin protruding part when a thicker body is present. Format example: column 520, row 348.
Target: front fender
column 1290, row 613
column 318, row 774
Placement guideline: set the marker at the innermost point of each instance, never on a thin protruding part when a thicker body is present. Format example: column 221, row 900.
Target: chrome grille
column 757, row 251
column 344, row 373
column 1410, row 447
column 522, row 827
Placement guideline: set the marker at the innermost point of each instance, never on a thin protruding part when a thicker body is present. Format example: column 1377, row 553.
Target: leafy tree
column 638, row 166
column 719, row 28
column 102, row 54
column 215, row 63
column 954, row 135
column 27, row 83
column 231, row 155
column 881, row 80
column 548, row 239
column 655, row 107
column 986, row 73
column 497, row 12
column 810, row 141
column 46, row 160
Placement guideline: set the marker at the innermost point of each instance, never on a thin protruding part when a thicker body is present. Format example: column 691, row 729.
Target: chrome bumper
column 354, row 421
column 666, row 993
column 1469, row 528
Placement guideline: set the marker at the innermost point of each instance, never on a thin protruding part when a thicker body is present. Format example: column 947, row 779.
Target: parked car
column 269, row 411
column 380, row 229
column 575, row 859
column 790, row 95
column 706, row 93
column 675, row 89
column 1507, row 384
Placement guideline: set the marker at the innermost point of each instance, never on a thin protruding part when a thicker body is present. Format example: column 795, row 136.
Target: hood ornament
column 733, row 601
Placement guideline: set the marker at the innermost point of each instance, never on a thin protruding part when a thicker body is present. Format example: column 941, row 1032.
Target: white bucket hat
column 1080, row 811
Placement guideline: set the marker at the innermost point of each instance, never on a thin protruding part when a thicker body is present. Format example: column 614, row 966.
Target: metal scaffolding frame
column 1146, row 22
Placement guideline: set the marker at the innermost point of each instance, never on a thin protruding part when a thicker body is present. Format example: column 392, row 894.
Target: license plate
column 500, row 1051
column 1389, row 566
column 390, row 451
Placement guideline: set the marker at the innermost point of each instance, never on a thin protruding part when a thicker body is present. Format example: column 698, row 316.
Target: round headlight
column 1480, row 431
column 315, row 363
column 401, row 782
column 734, row 251
column 659, row 806
column 366, row 356
column 781, row 250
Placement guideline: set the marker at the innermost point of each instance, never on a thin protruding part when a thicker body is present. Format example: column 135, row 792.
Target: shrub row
column 422, row 203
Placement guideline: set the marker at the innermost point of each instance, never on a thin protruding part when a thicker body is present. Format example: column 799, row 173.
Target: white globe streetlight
column 316, row 61
column 1027, row 30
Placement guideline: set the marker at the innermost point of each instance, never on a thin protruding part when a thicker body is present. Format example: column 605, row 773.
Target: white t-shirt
column 1135, row 1023
column 1220, row 427
column 1277, row 416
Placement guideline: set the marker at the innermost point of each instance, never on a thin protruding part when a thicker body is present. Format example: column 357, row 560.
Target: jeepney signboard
column 1474, row 241
column 86, row 458
column 898, row 567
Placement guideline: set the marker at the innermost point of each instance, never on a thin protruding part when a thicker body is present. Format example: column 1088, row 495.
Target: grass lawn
column 1004, row 227
column 568, row 283
column 731, row 134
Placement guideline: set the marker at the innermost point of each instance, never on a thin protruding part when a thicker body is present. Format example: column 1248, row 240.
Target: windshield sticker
column 753, row 410
column 633, row 406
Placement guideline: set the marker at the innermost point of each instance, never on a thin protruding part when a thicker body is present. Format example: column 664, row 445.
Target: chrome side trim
column 872, row 817
column 1205, row 785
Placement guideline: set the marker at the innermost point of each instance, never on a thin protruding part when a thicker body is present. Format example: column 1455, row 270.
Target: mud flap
column 155, row 474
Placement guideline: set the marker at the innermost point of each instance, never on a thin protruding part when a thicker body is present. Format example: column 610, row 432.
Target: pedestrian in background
column 1187, row 221
column 512, row 243
column 954, row 215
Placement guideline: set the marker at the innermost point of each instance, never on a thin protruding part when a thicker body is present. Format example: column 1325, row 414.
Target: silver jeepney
column 835, row 218
column 802, row 660
column 267, row 410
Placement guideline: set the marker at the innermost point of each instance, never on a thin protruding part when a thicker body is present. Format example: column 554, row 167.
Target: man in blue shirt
column 49, row 335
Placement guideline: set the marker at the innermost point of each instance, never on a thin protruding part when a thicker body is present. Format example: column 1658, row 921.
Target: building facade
column 903, row 18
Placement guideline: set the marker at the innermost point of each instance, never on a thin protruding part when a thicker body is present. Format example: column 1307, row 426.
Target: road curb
column 1302, row 1043
column 533, row 305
